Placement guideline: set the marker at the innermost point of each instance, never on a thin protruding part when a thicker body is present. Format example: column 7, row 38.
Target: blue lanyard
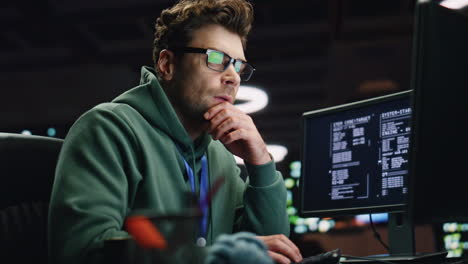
column 203, row 191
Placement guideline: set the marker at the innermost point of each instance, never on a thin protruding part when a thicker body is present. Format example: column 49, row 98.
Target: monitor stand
column 401, row 243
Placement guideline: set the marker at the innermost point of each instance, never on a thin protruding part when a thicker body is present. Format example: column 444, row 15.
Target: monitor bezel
column 387, row 208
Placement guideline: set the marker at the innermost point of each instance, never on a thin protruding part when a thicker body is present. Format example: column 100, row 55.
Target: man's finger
column 233, row 136
column 213, row 111
column 228, row 125
column 290, row 244
column 278, row 258
column 220, row 116
column 282, row 245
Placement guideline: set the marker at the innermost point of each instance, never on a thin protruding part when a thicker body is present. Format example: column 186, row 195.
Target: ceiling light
column 454, row 4
column 255, row 99
column 26, row 132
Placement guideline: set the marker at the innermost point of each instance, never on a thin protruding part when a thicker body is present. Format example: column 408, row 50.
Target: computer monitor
column 355, row 161
column 439, row 142
column 355, row 157
column 438, row 152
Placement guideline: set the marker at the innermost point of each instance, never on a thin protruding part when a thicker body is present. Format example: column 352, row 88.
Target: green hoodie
column 123, row 156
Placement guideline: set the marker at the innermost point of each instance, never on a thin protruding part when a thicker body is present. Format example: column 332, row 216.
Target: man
column 173, row 133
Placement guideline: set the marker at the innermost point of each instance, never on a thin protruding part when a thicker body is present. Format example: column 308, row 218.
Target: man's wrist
column 265, row 158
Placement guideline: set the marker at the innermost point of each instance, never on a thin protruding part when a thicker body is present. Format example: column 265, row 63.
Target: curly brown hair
column 175, row 26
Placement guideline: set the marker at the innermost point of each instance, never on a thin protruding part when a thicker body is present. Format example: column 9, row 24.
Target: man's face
column 196, row 88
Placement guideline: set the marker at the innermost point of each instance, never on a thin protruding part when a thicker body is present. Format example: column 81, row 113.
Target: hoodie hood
column 150, row 100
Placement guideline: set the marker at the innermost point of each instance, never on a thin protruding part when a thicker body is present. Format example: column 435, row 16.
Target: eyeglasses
column 219, row 61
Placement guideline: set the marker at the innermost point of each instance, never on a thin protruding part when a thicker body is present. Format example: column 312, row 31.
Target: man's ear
column 166, row 64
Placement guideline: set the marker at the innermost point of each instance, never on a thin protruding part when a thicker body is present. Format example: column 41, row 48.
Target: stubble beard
column 189, row 107
column 193, row 110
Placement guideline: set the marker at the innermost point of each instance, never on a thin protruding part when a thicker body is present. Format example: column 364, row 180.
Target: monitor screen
column 355, row 157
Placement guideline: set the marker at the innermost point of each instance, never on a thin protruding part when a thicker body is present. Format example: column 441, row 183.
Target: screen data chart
column 356, row 156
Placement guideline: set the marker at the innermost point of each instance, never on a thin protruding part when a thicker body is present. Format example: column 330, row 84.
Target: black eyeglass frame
column 208, row 51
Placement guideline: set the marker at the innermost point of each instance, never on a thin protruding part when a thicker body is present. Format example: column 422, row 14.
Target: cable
column 376, row 234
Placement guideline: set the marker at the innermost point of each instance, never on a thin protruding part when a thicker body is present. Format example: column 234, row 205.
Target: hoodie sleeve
column 264, row 211
column 91, row 192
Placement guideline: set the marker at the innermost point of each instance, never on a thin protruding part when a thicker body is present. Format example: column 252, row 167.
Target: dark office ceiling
column 58, row 58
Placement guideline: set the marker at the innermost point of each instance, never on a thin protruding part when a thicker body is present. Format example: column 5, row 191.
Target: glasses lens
column 215, row 60
column 219, row 61
column 239, row 66
column 246, row 71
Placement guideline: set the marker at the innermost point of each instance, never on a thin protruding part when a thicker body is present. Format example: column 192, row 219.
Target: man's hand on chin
column 237, row 131
column 281, row 249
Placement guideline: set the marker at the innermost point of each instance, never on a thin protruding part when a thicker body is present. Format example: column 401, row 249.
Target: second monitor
column 355, row 157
